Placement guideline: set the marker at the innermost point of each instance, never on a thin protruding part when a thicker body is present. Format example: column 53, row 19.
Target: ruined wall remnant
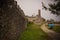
column 12, row 20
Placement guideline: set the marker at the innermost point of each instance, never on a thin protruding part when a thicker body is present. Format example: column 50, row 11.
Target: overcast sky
column 30, row 7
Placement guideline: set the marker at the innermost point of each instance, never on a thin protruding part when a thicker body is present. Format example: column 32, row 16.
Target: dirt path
column 52, row 34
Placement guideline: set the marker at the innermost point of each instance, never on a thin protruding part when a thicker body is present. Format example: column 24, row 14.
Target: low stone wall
column 56, row 24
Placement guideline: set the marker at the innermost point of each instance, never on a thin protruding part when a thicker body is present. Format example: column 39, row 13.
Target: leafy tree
column 54, row 8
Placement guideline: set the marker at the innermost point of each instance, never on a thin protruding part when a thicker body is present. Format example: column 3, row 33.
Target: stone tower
column 39, row 16
column 39, row 13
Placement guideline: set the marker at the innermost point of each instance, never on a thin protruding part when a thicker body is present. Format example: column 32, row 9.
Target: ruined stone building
column 36, row 19
column 12, row 20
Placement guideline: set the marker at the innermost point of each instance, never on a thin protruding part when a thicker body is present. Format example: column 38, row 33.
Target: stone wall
column 12, row 22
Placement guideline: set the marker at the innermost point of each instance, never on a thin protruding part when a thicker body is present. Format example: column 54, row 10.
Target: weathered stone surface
column 12, row 22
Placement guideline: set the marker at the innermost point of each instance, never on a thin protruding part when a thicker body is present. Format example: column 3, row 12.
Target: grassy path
column 33, row 32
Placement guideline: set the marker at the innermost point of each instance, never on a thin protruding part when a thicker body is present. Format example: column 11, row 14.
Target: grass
column 33, row 32
column 56, row 28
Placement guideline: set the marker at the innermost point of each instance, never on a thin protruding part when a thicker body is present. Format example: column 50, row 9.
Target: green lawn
column 56, row 28
column 33, row 32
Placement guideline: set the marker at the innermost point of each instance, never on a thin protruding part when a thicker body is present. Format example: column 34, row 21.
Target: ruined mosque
column 36, row 19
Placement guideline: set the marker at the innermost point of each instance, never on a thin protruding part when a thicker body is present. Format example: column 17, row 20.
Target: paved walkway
column 52, row 34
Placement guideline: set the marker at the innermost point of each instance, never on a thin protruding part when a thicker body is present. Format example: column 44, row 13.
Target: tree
column 54, row 8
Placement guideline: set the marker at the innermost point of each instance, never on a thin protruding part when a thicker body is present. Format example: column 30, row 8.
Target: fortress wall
column 12, row 23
